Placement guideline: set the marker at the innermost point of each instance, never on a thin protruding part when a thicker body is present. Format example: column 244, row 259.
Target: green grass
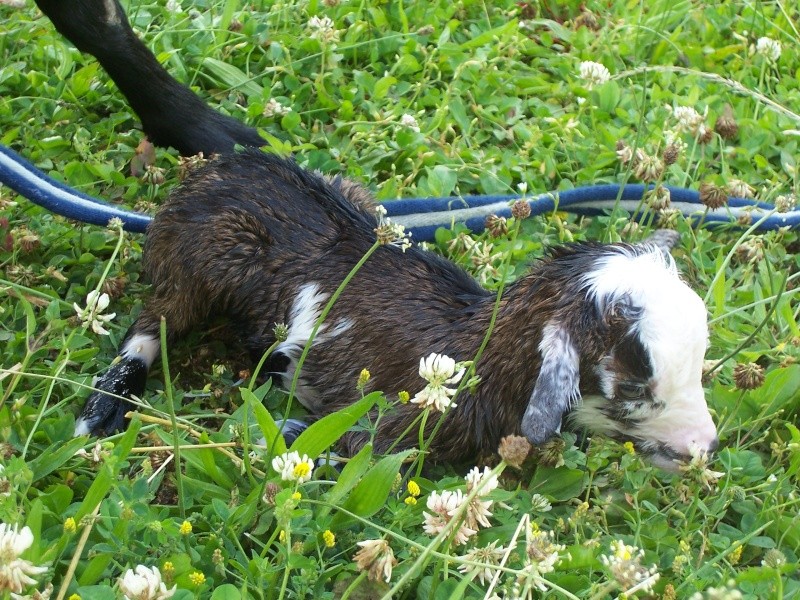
column 496, row 91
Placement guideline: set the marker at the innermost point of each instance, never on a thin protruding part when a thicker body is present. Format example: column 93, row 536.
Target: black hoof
column 104, row 414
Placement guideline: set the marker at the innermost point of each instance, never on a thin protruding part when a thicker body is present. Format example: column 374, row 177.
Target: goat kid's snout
column 701, row 437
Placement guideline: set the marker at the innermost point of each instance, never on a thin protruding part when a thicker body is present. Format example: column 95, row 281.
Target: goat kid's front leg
column 103, row 413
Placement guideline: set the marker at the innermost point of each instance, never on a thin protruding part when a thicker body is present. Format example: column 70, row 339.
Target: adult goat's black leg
column 171, row 114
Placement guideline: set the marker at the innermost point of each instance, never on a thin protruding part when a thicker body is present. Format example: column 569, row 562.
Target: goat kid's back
column 268, row 243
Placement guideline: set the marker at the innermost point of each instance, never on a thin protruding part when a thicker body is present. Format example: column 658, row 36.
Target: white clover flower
column 443, row 507
column 144, row 584
column 410, row 122
column 688, row 120
column 489, row 556
column 541, row 555
column 377, row 558
column 594, row 73
column 475, row 478
column 769, row 49
column 438, row 370
column 322, row 29
column 478, row 513
column 15, row 572
column 540, row 504
column 785, row 203
column 740, row 189
column 292, row 467
column 173, row 6
column 92, row 315
column 115, row 224
column 624, row 564
column 697, row 467
column 275, row 108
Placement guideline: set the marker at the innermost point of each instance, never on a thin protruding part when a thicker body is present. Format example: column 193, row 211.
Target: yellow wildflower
column 197, row 578
column 70, row 526
column 413, row 488
column 411, row 501
column 74, row 597
column 297, row 496
column 363, row 378
column 629, row 447
column 282, row 536
column 186, row 528
column 329, row 538
column 404, row 397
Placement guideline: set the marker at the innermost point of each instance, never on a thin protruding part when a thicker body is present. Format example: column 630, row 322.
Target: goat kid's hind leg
column 104, row 413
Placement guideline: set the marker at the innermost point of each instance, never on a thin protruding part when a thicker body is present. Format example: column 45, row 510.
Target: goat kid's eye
column 631, row 391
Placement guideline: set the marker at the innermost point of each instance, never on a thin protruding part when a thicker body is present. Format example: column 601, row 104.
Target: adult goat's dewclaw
column 605, row 335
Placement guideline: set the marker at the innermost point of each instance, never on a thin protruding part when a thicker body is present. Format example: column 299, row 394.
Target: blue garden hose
column 421, row 216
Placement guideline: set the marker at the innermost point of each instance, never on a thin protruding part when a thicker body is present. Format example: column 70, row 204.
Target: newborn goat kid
column 606, row 333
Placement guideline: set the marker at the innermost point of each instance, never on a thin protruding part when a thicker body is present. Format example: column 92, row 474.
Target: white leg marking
column 141, row 346
column 81, row 427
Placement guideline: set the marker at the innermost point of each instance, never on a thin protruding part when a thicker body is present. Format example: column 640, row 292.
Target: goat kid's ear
column 557, row 387
column 664, row 239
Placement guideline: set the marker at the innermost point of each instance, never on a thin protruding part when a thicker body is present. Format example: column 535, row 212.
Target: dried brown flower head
column 270, row 491
column 672, row 153
column 748, row 376
column 115, row 286
column 551, row 452
column 658, row 198
column 187, row 164
column 706, row 135
column 624, row 152
column 154, row 175
column 712, row 195
column 375, row 557
column 496, row 226
column 520, row 209
column 28, row 241
column 726, row 125
column 587, row 19
column 514, row 449
column 647, row 168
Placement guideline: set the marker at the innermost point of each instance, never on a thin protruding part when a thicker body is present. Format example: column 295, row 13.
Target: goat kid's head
column 623, row 353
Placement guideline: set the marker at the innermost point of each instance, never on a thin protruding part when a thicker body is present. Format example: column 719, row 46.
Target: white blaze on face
column 673, row 330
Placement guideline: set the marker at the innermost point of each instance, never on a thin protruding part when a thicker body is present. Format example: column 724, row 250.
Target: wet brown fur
column 265, row 227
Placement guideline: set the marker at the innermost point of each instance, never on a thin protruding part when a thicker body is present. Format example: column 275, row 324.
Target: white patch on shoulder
column 141, row 346
column 673, row 330
column 305, row 312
